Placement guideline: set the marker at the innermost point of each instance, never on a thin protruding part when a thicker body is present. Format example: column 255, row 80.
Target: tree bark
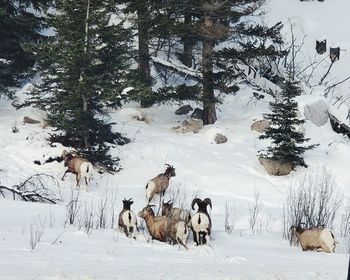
column 144, row 56
column 188, row 44
column 209, row 116
column 85, row 131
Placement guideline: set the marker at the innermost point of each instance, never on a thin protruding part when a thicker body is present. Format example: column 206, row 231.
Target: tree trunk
column 209, row 114
column 144, row 57
column 84, row 98
column 188, row 44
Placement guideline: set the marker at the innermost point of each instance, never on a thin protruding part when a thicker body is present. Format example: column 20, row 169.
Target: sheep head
column 146, row 211
column 202, row 204
column 166, row 207
column 127, row 203
column 170, row 170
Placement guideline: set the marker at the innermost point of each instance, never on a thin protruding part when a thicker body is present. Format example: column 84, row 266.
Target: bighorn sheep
column 81, row 167
column 201, row 222
column 159, row 183
column 175, row 213
column 164, row 229
column 127, row 219
column 316, row 238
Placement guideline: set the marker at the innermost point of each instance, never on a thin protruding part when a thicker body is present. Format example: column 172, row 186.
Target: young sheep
column 201, row 222
column 159, row 184
column 320, row 239
column 175, row 213
column 127, row 219
column 81, row 167
column 164, row 229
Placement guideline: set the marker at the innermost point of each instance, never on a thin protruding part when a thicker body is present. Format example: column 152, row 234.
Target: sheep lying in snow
column 200, row 222
column 81, row 167
column 320, row 239
column 127, row 219
column 164, row 229
column 159, row 184
column 175, row 213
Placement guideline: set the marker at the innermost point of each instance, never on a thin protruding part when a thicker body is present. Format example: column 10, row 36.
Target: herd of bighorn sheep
column 174, row 223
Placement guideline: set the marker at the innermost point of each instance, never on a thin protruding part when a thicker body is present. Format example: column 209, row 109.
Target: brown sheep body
column 81, row 167
column 159, row 184
column 164, row 229
column 127, row 221
column 175, row 213
column 321, row 239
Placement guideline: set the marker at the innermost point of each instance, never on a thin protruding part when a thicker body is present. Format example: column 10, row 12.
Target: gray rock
column 275, row 167
column 197, row 114
column 260, row 126
column 184, row 110
column 190, row 125
column 220, row 138
column 317, row 112
column 30, row 120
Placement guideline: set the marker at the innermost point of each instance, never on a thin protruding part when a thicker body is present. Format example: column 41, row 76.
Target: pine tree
column 287, row 141
column 229, row 38
column 18, row 25
column 84, row 72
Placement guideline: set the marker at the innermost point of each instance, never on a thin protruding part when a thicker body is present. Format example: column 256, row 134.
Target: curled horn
column 208, row 202
column 194, row 201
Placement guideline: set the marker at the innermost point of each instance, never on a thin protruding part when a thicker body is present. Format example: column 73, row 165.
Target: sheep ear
column 208, row 202
column 194, row 201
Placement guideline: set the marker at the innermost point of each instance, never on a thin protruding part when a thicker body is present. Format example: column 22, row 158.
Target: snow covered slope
column 227, row 173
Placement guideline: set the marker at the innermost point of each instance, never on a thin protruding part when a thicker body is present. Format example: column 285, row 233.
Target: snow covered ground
column 227, row 173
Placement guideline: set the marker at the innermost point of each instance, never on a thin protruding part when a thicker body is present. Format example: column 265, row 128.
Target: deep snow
column 227, row 173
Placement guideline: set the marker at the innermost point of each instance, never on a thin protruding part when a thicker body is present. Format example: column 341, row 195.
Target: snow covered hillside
column 230, row 174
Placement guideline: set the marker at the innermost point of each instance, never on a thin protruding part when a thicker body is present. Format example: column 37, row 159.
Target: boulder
column 184, row 110
column 317, row 112
column 30, row 120
column 197, row 114
column 275, row 167
column 220, row 138
column 190, row 125
column 260, row 125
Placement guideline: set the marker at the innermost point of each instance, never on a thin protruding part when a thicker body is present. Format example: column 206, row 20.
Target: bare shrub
column 36, row 232
column 311, row 201
column 72, row 208
column 230, row 217
column 254, row 213
column 345, row 221
column 101, row 214
column 34, row 189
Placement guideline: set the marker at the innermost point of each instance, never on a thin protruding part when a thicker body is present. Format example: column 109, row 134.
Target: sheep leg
column 65, row 174
column 180, row 242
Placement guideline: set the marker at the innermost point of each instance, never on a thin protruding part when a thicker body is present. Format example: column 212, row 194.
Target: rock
column 197, row 114
column 30, row 120
column 220, row 138
column 190, row 125
column 260, row 125
column 317, row 112
column 184, row 110
column 275, row 167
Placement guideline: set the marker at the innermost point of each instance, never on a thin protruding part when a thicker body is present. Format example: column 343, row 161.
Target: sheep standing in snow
column 127, row 219
column 81, row 167
column 175, row 213
column 320, row 239
column 159, row 184
column 164, row 229
column 201, row 222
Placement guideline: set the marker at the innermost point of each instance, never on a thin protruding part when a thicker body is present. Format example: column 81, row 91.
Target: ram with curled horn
column 201, row 222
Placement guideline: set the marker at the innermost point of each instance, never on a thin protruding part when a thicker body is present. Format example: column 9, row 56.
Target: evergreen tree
column 287, row 141
column 84, row 68
column 19, row 24
column 228, row 25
